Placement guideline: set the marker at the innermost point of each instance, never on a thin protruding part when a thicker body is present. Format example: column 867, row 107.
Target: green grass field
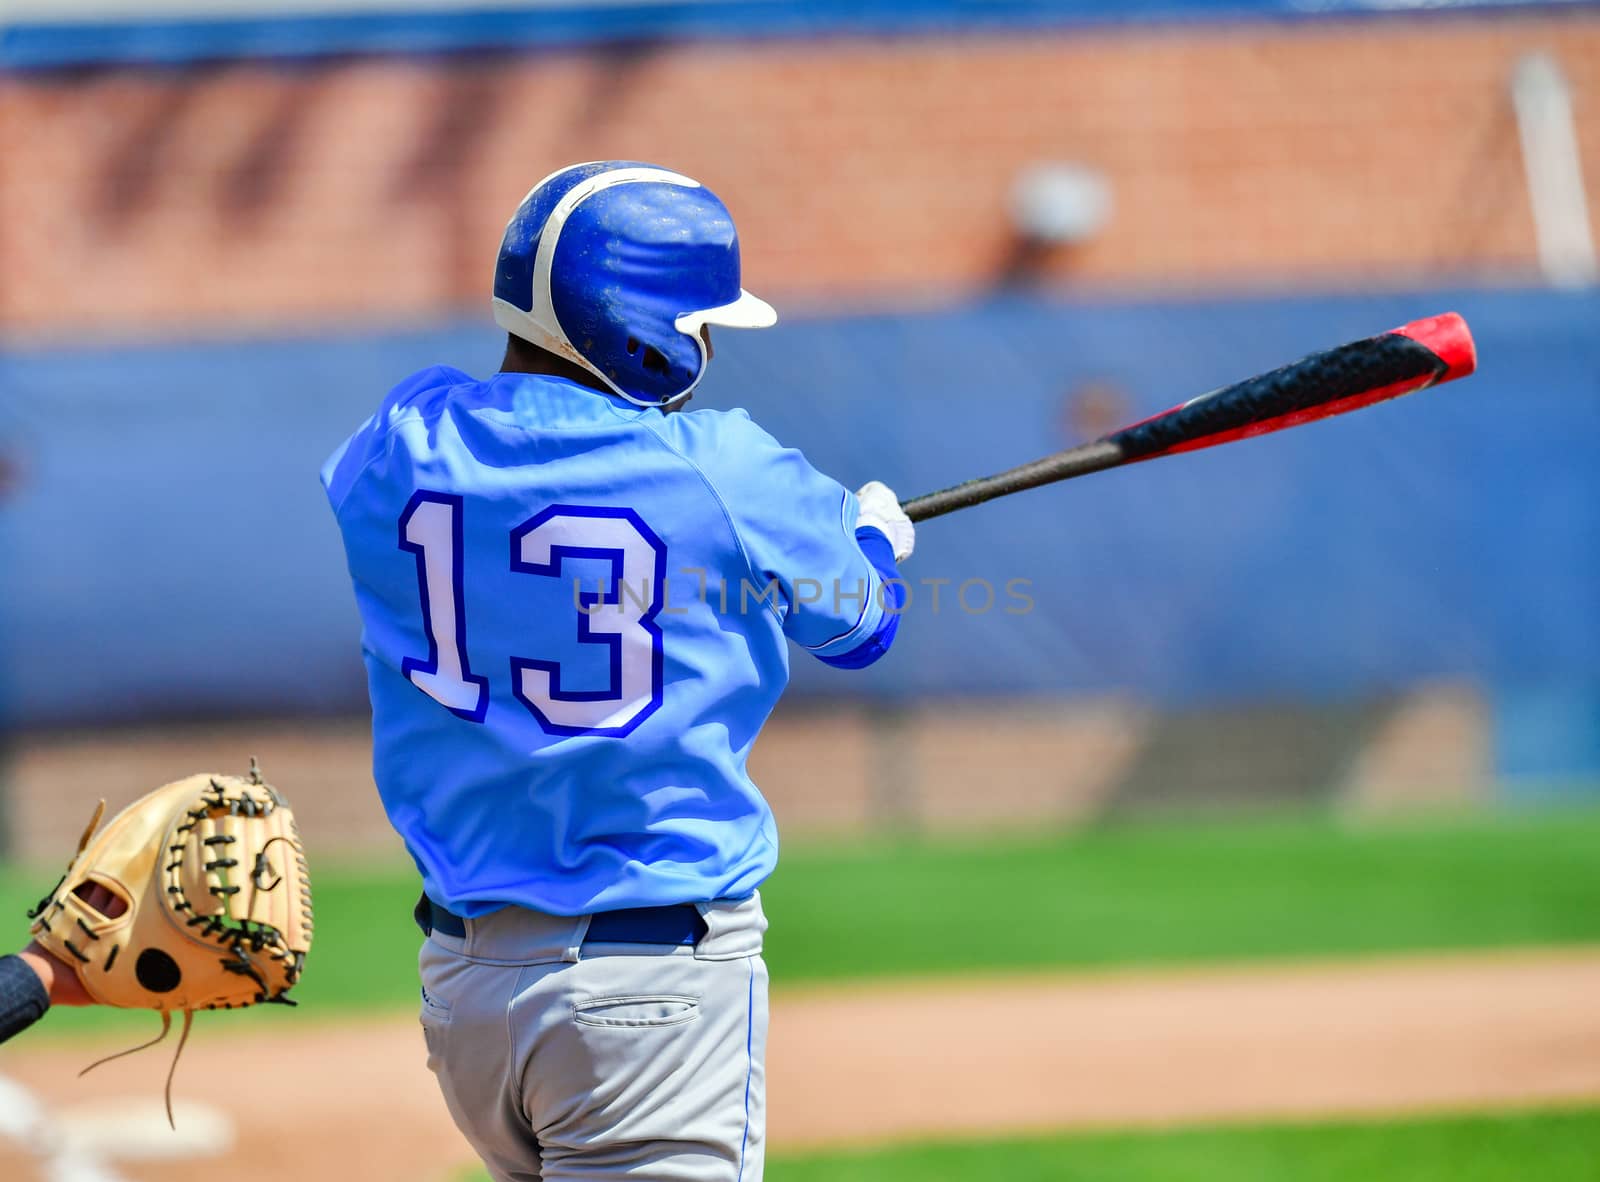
column 1531, row 1147
column 1553, row 1146
column 1301, row 887
column 1213, row 891
column 1199, row 892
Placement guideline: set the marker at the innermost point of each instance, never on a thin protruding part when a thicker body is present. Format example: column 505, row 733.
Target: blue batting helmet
column 616, row 265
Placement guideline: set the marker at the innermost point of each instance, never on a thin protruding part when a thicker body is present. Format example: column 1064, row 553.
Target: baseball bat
column 1421, row 354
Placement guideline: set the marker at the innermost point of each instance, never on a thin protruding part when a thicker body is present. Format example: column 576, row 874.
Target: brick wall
column 249, row 194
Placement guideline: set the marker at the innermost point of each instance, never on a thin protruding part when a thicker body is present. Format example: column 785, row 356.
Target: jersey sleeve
column 344, row 467
column 797, row 528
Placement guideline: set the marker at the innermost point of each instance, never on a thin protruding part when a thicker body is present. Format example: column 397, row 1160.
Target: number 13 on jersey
column 618, row 615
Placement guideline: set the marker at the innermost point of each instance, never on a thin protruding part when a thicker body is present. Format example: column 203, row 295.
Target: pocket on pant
column 636, row 1010
column 435, row 1019
column 435, row 1010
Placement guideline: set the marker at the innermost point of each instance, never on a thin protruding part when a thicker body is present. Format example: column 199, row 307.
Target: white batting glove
column 880, row 509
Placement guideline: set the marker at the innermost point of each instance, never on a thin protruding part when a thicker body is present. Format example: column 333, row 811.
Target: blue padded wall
column 169, row 551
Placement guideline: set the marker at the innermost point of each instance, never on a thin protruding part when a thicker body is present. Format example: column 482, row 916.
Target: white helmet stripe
column 543, row 311
column 539, row 323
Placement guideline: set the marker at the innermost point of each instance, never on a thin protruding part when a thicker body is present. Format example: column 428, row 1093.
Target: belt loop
column 574, row 951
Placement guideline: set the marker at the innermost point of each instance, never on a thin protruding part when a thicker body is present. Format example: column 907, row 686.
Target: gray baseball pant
column 607, row 1061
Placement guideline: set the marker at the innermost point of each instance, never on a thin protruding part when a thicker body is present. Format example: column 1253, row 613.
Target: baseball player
column 576, row 606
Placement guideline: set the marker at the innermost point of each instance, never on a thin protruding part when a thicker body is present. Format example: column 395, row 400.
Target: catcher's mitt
column 212, row 901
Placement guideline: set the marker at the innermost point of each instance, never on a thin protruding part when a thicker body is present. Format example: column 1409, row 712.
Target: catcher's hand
column 60, row 983
column 193, row 897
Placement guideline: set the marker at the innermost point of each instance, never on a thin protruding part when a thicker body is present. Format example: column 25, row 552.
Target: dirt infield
column 892, row 1061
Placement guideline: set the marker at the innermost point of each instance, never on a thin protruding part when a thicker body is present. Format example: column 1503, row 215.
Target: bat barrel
column 1421, row 354
column 1413, row 357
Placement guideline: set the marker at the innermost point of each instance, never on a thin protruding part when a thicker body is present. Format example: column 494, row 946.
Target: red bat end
column 1448, row 336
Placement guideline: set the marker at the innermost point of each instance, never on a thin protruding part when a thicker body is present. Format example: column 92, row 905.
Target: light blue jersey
column 574, row 617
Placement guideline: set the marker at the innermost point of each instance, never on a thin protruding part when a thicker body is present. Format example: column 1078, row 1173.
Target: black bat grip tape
column 1344, row 372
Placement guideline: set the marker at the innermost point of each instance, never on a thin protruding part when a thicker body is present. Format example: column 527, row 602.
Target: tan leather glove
column 212, row 900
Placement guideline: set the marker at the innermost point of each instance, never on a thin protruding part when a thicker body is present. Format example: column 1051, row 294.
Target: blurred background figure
column 991, row 231
column 1094, row 408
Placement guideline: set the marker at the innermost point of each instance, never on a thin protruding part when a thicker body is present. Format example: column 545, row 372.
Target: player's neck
column 521, row 357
